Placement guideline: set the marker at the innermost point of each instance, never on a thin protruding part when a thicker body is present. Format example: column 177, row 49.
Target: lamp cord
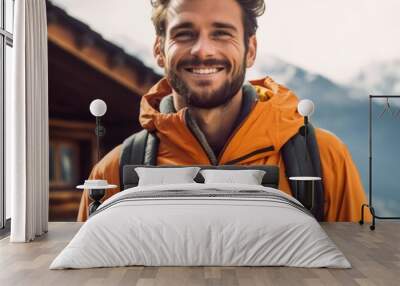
column 98, row 137
column 305, row 135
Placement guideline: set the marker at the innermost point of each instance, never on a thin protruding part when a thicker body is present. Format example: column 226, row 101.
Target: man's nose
column 203, row 48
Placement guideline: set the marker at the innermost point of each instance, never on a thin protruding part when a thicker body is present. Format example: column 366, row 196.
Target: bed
column 201, row 224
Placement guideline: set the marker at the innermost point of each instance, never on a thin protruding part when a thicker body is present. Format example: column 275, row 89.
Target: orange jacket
column 272, row 122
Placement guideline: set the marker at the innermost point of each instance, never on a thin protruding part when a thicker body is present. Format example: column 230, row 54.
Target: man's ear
column 251, row 51
column 158, row 52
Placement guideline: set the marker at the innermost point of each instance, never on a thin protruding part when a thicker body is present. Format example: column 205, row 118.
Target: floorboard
column 374, row 255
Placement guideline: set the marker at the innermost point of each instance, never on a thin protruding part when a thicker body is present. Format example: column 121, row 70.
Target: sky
column 334, row 38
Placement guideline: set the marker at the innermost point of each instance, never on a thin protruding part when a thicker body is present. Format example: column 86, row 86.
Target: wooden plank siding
column 83, row 66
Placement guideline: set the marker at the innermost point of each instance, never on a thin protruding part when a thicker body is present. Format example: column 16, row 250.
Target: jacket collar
column 268, row 125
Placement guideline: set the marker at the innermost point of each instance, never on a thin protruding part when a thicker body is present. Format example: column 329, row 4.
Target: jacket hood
column 272, row 121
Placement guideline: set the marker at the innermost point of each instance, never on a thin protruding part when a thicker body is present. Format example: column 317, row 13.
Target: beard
column 207, row 99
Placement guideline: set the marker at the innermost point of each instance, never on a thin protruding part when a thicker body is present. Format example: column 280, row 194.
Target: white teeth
column 205, row 71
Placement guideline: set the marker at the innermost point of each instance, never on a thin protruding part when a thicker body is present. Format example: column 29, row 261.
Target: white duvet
column 265, row 229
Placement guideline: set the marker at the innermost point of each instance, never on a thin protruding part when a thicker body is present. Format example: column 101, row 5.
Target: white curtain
column 27, row 142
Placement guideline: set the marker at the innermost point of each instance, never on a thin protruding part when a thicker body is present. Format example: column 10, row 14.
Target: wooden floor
column 374, row 255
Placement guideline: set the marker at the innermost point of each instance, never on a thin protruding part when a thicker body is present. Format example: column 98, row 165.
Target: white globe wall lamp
column 97, row 188
column 306, row 109
column 98, row 108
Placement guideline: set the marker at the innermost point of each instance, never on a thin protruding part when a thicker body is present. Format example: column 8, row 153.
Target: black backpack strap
column 302, row 160
column 141, row 148
column 151, row 151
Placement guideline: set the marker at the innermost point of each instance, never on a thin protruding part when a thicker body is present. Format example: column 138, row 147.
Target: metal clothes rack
column 370, row 205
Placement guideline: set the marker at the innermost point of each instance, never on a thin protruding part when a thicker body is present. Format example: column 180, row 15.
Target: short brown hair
column 251, row 9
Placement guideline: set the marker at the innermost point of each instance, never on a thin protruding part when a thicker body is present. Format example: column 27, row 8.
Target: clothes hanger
column 388, row 108
column 397, row 114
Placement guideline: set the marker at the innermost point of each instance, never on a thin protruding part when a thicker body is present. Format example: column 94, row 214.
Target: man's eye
column 184, row 35
column 222, row 34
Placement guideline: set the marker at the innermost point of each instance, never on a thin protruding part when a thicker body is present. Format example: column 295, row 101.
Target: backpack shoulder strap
column 138, row 149
column 304, row 160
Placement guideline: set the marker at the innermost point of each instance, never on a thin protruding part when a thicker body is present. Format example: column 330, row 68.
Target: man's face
column 203, row 53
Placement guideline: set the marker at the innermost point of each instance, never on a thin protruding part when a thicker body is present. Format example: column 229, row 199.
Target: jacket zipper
column 251, row 154
column 221, row 153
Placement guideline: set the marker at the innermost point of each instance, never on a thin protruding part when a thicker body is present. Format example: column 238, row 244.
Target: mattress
column 201, row 225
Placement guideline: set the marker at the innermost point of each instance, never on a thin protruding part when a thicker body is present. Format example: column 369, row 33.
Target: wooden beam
column 97, row 58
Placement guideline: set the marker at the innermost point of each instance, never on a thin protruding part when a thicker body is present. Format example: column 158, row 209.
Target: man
column 203, row 113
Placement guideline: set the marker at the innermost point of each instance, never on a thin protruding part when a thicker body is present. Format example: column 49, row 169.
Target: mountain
column 338, row 108
column 343, row 110
column 380, row 78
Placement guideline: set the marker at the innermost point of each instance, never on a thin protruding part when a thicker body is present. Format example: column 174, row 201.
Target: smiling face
column 203, row 52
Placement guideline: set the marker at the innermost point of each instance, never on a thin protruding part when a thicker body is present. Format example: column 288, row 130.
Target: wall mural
column 113, row 60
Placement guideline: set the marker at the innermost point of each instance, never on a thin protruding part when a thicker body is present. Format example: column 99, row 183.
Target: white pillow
column 248, row 177
column 162, row 176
